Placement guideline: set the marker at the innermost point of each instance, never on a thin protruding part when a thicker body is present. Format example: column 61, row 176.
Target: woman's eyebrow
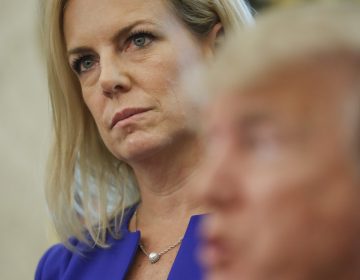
column 119, row 34
column 78, row 50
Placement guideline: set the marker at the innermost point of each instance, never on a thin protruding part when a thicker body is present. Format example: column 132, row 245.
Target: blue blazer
column 58, row 263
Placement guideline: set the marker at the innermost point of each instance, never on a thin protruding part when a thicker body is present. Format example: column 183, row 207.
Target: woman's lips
column 127, row 113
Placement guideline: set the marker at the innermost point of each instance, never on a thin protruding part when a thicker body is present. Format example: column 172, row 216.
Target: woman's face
column 129, row 56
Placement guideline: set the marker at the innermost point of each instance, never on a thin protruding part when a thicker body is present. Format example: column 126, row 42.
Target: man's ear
column 214, row 39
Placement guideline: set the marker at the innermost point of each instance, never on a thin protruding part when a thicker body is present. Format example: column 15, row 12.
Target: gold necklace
column 154, row 256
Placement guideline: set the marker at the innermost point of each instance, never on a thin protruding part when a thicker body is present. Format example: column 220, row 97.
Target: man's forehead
column 272, row 106
column 296, row 87
column 300, row 94
column 273, row 99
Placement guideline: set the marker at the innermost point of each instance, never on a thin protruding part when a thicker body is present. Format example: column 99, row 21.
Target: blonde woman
column 122, row 133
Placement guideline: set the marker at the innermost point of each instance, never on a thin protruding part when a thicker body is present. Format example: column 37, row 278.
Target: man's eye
column 83, row 64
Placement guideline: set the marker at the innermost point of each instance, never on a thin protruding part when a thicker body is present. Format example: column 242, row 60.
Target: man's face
column 280, row 177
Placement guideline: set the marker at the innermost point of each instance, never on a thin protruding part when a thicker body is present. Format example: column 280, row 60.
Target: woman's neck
column 165, row 181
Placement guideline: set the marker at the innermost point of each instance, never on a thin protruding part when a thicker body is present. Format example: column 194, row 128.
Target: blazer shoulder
column 55, row 261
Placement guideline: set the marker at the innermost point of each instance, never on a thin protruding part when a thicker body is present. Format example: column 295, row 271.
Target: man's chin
column 225, row 274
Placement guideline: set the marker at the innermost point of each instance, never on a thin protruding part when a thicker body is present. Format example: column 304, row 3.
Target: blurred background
column 24, row 130
column 24, row 141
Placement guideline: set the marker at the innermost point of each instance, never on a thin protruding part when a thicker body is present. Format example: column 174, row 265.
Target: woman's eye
column 87, row 64
column 84, row 64
column 140, row 40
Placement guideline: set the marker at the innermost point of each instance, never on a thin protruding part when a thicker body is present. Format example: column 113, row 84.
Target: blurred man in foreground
column 282, row 123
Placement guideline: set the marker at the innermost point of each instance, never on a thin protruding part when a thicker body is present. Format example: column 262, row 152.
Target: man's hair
column 280, row 37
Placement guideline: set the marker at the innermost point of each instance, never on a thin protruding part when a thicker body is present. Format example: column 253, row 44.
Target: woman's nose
column 114, row 78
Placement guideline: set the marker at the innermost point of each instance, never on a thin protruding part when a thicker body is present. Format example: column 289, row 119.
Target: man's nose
column 217, row 181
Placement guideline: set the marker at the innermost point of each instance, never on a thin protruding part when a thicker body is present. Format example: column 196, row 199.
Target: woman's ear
column 214, row 39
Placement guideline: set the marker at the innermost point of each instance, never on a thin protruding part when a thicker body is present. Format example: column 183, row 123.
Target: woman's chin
column 138, row 147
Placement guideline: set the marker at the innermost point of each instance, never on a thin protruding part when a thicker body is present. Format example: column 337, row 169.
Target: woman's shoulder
column 60, row 261
column 56, row 260
column 88, row 262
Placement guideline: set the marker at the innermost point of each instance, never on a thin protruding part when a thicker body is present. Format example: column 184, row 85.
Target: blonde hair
column 78, row 156
column 200, row 16
column 281, row 36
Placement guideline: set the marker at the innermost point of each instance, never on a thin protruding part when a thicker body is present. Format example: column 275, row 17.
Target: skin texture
column 281, row 177
column 125, row 75
column 118, row 70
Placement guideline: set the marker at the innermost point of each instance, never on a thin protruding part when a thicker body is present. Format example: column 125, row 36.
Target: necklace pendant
column 154, row 257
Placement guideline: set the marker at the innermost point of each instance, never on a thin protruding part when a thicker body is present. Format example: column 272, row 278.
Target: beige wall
column 24, row 138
